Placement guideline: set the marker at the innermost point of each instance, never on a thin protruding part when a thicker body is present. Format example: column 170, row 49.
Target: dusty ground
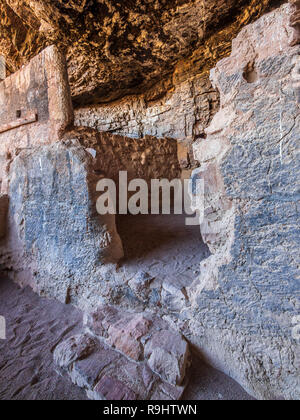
column 163, row 246
column 36, row 325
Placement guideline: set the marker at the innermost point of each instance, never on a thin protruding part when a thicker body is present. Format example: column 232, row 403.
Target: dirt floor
column 36, row 325
column 162, row 246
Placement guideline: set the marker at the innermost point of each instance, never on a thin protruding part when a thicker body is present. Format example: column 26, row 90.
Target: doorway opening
column 162, row 246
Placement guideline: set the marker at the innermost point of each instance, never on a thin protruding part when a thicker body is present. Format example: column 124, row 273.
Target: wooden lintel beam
column 29, row 119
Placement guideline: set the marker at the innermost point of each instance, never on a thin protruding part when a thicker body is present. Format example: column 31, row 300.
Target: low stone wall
column 126, row 356
column 182, row 112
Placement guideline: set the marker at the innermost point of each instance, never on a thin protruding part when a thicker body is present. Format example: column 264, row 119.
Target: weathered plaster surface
column 40, row 88
column 248, row 292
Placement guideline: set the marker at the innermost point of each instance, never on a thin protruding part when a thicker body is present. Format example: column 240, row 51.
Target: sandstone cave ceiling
column 120, row 47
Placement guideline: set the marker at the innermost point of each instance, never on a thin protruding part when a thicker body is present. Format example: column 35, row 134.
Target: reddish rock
column 115, row 375
column 111, row 389
column 86, row 372
column 125, row 335
column 98, row 322
column 122, row 330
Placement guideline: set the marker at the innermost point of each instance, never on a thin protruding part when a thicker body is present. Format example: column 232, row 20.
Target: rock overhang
column 124, row 47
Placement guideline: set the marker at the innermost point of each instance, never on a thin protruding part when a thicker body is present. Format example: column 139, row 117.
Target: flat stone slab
column 112, row 389
column 168, row 356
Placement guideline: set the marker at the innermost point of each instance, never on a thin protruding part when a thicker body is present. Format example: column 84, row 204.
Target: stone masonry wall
column 57, row 242
column 239, row 313
column 146, row 158
column 35, row 107
column 248, row 293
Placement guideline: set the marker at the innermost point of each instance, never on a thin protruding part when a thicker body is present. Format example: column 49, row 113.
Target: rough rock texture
column 155, row 366
column 74, row 348
column 4, row 202
column 240, row 311
column 250, row 162
column 295, row 21
column 115, row 48
column 34, row 328
column 57, row 241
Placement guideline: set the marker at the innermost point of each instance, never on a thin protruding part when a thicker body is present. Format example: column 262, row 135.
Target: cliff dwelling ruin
column 188, row 293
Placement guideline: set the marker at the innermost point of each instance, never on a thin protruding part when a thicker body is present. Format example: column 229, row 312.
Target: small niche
column 250, row 74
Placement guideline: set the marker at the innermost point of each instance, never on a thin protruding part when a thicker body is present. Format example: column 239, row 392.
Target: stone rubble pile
column 126, row 356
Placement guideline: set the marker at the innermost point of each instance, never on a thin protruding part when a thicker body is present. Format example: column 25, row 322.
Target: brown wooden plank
column 29, row 119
